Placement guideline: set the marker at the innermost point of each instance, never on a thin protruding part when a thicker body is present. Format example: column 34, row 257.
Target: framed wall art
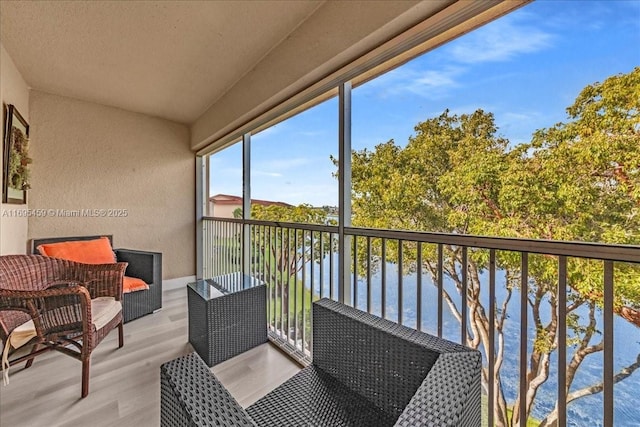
column 16, row 160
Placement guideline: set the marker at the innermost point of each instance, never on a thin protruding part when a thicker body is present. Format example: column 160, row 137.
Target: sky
column 526, row 68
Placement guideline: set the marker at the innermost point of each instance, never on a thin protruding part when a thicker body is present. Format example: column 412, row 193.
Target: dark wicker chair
column 142, row 264
column 366, row 371
column 56, row 295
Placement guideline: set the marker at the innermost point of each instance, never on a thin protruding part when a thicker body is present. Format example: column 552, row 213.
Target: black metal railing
column 463, row 288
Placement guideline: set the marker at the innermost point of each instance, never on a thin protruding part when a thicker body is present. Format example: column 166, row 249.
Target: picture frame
column 15, row 127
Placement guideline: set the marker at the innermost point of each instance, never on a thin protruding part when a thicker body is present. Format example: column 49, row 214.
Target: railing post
column 562, row 341
column 607, row 338
column 524, row 297
column 246, row 203
column 344, row 203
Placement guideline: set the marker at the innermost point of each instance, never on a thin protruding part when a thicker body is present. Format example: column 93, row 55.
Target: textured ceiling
column 170, row 59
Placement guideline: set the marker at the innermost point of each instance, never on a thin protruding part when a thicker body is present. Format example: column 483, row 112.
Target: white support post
column 201, row 200
column 344, row 204
column 246, row 203
column 207, row 186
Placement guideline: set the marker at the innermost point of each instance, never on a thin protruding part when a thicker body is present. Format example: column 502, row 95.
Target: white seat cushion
column 103, row 309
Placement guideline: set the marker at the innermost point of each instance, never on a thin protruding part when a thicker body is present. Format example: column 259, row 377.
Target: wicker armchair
column 366, row 371
column 61, row 298
column 143, row 265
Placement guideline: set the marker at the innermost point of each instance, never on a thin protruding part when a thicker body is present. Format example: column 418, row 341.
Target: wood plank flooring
column 125, row 383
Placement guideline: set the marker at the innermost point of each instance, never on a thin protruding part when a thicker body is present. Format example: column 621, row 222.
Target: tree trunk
column 479, row 325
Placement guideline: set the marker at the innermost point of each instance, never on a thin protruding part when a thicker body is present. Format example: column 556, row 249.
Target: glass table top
column 223, row 285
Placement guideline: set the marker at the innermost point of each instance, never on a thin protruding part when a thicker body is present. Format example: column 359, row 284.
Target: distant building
column 223, row 205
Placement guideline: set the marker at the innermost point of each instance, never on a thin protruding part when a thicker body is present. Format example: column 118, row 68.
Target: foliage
column 19, row 160
column 578, row 180
column 304, row 213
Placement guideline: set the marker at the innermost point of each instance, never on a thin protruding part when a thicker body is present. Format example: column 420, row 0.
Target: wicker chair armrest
column 102, row 280
column 450, row 395
column 56, row 309
column 64, row 284
column 210, row 405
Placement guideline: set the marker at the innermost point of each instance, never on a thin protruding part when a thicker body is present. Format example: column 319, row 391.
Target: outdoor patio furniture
column 143, row 265
column 226, row 321
column 54, row 304
column 366, row 371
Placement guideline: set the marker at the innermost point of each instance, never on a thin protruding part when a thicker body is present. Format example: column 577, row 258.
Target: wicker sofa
column 142, row 264
column 366, row 371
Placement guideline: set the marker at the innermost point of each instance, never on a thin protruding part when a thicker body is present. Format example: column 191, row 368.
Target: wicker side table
column 225, row 323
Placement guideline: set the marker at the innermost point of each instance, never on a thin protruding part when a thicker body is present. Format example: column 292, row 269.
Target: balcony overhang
column 341, row 41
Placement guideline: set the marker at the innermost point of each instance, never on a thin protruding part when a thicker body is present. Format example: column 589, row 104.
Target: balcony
column 418, row 280
column 124, row 116
column 125, row 382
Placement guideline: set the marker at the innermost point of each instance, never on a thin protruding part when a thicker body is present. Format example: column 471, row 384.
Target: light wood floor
column 125, row 383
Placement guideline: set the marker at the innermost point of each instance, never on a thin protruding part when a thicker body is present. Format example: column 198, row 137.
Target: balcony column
column 246, row 203
column 202, row 200
column 344, row 184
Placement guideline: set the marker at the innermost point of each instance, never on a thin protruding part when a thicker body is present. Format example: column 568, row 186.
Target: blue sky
column 526, row 68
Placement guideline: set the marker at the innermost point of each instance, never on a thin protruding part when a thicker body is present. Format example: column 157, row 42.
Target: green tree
column 578, row 180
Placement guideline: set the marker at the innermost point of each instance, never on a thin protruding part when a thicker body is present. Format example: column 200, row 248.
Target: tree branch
column 583, row 349
column 597, row 388
column 491, row 205
column 625, row 372
column 503, row 312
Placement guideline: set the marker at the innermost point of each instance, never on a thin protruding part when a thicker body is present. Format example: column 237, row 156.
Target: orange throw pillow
column 132, row 284
column 96, row 251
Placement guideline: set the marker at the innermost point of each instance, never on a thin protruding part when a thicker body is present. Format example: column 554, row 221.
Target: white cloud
column 299, row 191
column 595, row 16
column 410, row 79
column 501, row 40
column 310, row 133
column 471, row 108
column 263, row 173
column 273, row 130
column 227, row 171
column 277, row 168
column 513, row 116
column 520, row 125
column 428, row 81
column 282, row 164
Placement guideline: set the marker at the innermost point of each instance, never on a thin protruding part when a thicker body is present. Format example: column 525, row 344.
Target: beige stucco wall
column 90, row 156
column 13, row 90
column 222, row 211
